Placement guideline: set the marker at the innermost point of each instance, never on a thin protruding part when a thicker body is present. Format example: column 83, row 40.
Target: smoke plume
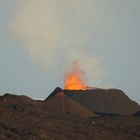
column 56, row 33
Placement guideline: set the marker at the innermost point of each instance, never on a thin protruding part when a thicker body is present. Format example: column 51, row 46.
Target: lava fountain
column 75, row 78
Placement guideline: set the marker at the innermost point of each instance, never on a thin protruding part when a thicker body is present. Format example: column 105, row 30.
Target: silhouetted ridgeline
column 111, row 101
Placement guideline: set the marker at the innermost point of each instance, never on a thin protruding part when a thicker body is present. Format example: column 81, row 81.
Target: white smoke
column 57, row 32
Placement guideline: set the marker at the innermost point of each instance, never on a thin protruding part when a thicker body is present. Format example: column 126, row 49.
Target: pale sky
column 39, row 39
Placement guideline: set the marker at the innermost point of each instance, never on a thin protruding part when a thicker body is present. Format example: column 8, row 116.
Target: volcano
column 104, row 101
column 99, row 101
column 58, row 101
column 67, row 115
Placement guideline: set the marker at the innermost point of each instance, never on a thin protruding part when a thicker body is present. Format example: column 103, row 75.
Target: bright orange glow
column 75, row 78
column 73, row 83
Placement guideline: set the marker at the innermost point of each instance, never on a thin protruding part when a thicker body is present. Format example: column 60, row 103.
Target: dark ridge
column 111, row 101
column 13, row 97
column 93, row 91
column 56, row 91
column 9, row 95
column 19, row 103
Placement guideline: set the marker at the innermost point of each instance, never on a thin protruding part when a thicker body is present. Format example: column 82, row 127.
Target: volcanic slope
column 57, row 101
column 104, row 101
column 22, row 118
column 67, row 105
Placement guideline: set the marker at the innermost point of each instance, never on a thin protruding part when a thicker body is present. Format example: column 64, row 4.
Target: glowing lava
column 75, row 79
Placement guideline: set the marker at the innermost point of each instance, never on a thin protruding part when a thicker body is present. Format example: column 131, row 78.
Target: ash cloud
column 56, row 33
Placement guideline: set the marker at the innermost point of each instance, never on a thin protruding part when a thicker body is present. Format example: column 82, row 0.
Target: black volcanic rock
column 56, row 91
column 111, row 101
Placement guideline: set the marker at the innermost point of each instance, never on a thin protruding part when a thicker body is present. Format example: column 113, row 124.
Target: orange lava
column 74, row 79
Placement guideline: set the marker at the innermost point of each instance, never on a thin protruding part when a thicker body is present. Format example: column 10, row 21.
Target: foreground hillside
column 22, row 118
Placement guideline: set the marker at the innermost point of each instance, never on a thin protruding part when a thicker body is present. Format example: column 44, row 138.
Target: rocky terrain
column 60, row 117
column 109, row 101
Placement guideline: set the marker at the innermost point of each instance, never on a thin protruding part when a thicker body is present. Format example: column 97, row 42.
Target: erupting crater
column 75, row 79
